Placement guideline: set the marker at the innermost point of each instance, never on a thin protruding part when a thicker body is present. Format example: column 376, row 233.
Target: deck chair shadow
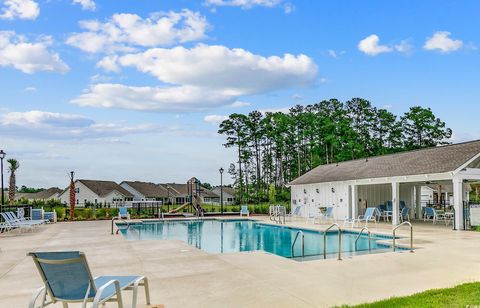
column 68, row 279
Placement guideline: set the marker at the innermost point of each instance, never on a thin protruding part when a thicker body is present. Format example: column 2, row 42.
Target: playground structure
column 194, row 190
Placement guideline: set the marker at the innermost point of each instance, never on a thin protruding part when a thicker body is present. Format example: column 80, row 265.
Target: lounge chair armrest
column 97, row 300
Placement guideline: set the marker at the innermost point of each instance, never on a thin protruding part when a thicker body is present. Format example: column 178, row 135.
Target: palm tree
column 13, row 167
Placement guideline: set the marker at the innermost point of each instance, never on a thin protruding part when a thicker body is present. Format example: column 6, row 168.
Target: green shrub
column 60, row 210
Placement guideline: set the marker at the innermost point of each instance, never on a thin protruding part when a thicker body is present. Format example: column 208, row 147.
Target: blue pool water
column 225, row 236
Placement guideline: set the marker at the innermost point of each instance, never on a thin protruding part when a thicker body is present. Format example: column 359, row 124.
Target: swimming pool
column 226, row 236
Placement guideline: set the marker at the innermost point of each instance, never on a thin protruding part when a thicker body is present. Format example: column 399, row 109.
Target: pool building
column 352, row 186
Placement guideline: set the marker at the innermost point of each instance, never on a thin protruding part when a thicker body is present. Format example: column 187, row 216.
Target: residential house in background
column 180, row 194
column 96, row 192
column 146, row 191
column 44, row 195
column 228, row 194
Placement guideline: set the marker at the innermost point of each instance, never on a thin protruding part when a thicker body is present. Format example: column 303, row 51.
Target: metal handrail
column 116, row 218
column 411, row 234
column 303, row 243
column 339, row 241
column 369, row 238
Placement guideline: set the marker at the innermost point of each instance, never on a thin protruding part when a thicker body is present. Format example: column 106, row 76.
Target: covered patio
column 392, row 182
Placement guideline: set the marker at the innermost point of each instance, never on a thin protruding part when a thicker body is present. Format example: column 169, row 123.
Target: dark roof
column 181, row 190
column 426, row 161
column 226, row 189
column 149, row 190
column 103, row 188
column 41, row 195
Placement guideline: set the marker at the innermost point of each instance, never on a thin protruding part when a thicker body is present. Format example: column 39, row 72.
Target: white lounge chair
column 244, row 211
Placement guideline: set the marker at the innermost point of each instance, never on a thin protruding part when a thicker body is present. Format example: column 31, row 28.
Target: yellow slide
column 179, row 208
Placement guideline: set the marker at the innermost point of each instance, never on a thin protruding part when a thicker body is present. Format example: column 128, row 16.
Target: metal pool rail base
column 411, row 234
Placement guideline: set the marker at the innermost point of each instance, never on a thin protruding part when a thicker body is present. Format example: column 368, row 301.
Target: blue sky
column 129, row 90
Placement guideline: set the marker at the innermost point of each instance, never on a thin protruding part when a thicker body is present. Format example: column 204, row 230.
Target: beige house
column 96, row 192
column 228, row 194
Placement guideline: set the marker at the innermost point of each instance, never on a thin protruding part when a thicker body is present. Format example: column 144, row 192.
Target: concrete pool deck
column 183, row 276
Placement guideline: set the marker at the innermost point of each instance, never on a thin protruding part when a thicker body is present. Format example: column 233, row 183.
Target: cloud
column 20, row 9
column 240, row 104
column 442, row 42
column 370, row 46
column 17, row 52
column 30, row 89
column 215, row 119
column 335, row 54
column 125, row 32
column 157, row 99
column 404, row 47
column 109, row 64
column 289, row 8
column 52, row 125
column 297, row 96
column 244, row 4
column 233, row 71
column 87, row 5
column 198, row 78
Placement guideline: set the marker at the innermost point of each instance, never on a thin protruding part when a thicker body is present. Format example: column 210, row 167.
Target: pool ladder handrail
column 411, row 234
column 369, row 238
column 303, row 243
column 116, row 218
column 339, row 241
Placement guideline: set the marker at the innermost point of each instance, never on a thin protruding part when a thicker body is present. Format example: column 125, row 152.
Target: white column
column 418, row 201
column 354, row 201
column 396, row 203
column 458, row 202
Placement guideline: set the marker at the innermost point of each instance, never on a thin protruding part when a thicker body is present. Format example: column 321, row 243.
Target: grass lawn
column 465, row 295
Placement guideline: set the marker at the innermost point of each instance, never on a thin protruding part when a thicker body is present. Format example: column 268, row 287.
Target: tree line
column 274, row 148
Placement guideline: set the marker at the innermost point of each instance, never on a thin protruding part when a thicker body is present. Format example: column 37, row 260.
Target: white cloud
column 240, row 104
column 289, row 8
column 109, row 64
column 233, row 71
column 199, row 78
column 21, row 9
column 157, row 99
column 17, row 52
column 404, row 47
column 244, row 4
column 335, row 54
column 371, row 46
column 88, row 5
column 53, row 125
column 215, row 119
column 30, row 89
column 124, row 32
column 442, row 42
column 297, row 96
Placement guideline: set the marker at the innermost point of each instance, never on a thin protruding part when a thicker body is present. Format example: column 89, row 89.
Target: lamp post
column 221, row 189
column 2, row 156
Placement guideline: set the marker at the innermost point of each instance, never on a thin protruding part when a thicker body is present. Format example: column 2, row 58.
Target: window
column 77, row 201
column 77, row 190
column 95, row 201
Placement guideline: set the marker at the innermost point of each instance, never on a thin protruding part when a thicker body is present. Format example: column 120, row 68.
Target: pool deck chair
column 68, row 279
column 295, row 213
column 123, row 213
column 244, row 211
column 328, row 215
column 371, row 214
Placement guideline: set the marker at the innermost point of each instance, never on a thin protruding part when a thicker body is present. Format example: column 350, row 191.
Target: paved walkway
column 183, row 276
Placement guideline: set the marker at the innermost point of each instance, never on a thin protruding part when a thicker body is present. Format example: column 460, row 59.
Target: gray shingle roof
column 426, row 161
column 103, row 188
column 149, row 190
column 41, row 195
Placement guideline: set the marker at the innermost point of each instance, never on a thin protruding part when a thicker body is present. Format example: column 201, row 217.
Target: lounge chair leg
column 147, row 290
column 65, row 305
